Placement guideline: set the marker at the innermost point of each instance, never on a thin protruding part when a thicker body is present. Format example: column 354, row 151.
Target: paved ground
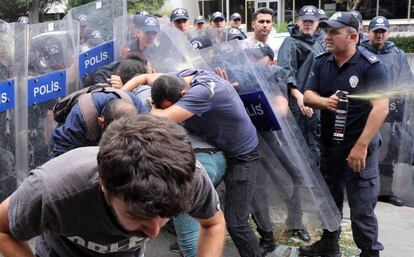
column 396, row 233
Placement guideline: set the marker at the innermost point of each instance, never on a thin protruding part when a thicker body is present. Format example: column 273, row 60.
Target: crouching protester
column 90, row 116
column 109, row 200
column 210, row 107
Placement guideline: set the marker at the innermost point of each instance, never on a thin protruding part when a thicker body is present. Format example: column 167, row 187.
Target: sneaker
column 174, row 247
column 322, row 248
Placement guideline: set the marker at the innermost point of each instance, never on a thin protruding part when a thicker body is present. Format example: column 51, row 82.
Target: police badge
column 353, row 81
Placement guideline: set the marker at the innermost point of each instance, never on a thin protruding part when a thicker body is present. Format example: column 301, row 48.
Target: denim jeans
column 240, row 182
column 186, row 227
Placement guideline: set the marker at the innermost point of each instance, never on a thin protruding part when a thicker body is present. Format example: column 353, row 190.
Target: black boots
column 327, row 246
column 266, row 242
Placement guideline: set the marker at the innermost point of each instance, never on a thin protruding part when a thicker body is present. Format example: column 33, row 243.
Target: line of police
column 358, row 153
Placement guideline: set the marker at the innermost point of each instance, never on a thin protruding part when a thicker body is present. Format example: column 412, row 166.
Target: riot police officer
column 296, row 55
column 180, row 18
column 350, row 161
column 400, row 74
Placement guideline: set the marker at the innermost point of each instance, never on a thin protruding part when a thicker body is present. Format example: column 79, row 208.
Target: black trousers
column 362, row 190
column 240, row 182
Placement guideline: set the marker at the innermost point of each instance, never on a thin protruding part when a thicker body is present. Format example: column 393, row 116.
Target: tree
column 12, row 9
column 350, row 4
column 147, row 5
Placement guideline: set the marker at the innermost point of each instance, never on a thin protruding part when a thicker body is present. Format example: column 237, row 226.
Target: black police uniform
column 296, row 55
column 362, row 73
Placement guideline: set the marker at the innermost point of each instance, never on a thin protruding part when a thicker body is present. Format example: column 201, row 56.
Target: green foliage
column 405, row 43
column 281, row 27
column 74, row 3
column 10, row 10
column 147, row 5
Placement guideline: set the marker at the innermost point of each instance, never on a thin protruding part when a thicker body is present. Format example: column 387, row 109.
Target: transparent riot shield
column 396, row 149
column 171, row 51
column 52, row 74
column 214, row 35
column 12, row 77
column 8, row 178
column 403, row 177
column 96, row 33
column 129, row 37
column 291, row 190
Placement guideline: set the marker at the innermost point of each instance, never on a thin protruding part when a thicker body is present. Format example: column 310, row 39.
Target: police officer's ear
column 354, row 37
column 101, row 121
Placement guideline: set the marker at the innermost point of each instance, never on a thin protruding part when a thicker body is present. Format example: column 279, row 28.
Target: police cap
column 340, row 20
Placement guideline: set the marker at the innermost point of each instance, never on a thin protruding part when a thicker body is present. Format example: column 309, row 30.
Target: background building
column 399, row 12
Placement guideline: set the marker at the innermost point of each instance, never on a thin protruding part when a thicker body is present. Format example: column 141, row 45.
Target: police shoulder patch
column 369, row 56
column 322, row 54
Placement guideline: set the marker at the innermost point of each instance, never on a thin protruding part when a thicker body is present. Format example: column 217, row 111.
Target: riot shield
column 397, row 132
column 395, row 151
column 290, row 183
column 96, row 23
column 131, row 37
column 214, row 35
column 172, row 51
column 403, row 177
column 12, row 72
column 52, row 74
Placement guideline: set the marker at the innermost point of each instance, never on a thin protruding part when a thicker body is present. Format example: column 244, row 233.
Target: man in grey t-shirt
column 109, row 201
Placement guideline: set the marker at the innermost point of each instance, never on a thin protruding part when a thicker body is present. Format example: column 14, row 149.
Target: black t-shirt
column 362, row 73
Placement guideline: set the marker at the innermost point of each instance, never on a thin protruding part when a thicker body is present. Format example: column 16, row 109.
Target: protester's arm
column 174, row 112
column 115, row 81
column 358, row 154
column 143, row 79
column 9, row 246
column 211, row 236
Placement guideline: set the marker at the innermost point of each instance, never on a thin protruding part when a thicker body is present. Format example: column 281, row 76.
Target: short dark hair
column 116, row 109
column 263, row 10
column 132, row 66
column 148, row 162
column 166, row 88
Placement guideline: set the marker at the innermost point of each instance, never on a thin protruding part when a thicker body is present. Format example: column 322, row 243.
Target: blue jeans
column 186, row 227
